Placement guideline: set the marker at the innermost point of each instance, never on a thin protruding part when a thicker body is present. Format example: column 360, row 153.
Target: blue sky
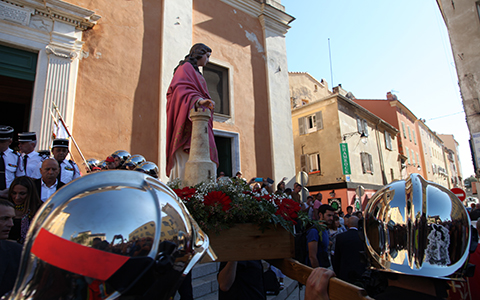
column 379, row 46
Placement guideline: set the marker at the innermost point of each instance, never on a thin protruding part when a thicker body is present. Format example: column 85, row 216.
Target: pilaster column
column 177, row 31
column 275, row 25
column 61, row 77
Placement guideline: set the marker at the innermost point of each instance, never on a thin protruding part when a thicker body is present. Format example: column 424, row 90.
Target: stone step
column 204, row 280
column 205, row 285
column 205, row 269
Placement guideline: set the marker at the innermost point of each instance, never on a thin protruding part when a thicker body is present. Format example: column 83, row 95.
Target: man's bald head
column 352, row 222
column 49, row 170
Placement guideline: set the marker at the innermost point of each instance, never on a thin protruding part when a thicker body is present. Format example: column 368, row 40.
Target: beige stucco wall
column 116, row 105
column 304, row 87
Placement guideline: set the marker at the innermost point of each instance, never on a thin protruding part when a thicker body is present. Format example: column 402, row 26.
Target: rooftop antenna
column 330, row 55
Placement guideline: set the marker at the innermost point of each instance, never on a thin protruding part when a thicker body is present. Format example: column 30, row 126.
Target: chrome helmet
column 148, row 168
column 417, row 227
column 118, row 233
column 102, row 165
column 122, row 155
column 93, row 164
column 134, row 161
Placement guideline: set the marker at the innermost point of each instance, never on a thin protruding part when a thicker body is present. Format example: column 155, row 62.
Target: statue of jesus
column 187, row 90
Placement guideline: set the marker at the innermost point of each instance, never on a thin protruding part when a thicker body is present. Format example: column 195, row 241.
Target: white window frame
column 310, row 123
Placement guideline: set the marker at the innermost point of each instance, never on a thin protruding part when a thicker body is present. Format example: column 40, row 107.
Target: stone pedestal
column 199, row 166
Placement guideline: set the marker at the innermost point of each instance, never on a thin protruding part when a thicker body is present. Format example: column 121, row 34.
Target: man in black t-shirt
column 241, row 280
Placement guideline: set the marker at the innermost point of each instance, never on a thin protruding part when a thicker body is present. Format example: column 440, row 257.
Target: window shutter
column 388, row 140
column 362, row 157
column 359, row 124
column 318, row 162
column 370, row 160
column 301, row 125
column 319, row 120
column 365, row 127
column 303, row 162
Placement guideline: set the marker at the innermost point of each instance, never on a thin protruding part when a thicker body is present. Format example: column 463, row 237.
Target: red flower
column 288, row 209
column 215, row 198
column 185, row 193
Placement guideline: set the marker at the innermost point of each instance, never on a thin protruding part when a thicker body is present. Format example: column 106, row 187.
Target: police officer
column 10, row 166
column 27, row 141
column 68, row 169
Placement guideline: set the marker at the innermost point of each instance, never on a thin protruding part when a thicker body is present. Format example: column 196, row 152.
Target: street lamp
column 363, row 136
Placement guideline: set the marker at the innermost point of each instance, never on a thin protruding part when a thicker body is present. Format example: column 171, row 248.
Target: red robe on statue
column 186, row 88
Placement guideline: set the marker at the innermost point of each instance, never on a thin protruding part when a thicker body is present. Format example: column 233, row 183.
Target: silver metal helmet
column 119, row 233
column 122, row 154
column 417, row 227
column 102, row 165
column 93, row 162
column 134, row 161
column 149, row 168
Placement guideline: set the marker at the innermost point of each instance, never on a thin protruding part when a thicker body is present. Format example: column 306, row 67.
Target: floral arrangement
column 219, row 205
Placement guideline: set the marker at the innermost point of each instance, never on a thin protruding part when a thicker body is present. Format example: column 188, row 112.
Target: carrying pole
column 70, row 135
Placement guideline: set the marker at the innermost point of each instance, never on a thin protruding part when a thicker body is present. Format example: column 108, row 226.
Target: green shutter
column 17, row 63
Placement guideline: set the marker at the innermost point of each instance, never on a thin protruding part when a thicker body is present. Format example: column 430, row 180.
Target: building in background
column 462, row 18
column 455, row 165
column 108, row 66
column 394, row 112
column 339, row 144
column 433, row 155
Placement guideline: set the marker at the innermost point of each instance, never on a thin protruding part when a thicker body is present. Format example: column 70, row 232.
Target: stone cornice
column 271, row 17
column 59, row 10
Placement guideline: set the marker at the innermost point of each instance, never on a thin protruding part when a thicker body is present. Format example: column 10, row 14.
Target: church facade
column 107, row 68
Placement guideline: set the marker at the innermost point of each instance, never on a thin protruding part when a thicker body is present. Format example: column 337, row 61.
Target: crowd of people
column 28, row 178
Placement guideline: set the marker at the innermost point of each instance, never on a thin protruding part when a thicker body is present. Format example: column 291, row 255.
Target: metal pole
column 330, row 56
column 71, row 136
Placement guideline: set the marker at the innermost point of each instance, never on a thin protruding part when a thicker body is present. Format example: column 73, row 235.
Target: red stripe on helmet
column 76, row 258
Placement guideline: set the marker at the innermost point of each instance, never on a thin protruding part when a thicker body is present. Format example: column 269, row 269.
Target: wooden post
column 337, row 289
column 199, row 166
